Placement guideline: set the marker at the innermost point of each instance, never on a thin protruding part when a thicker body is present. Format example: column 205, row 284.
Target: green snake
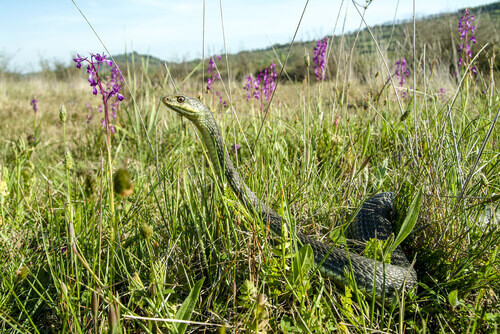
column 373, row 219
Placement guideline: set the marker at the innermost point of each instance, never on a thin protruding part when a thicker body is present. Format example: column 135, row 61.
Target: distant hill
column 138, row 58
column 437, row 33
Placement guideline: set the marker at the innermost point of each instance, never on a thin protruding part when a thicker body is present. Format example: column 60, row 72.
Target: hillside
column 437, row 34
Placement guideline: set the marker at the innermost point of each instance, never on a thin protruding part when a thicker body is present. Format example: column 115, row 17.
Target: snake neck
column 225, row 169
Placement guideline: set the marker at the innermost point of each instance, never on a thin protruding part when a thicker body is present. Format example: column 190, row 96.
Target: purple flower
column 263, row 84
column 214, row 75
column 252, row 87
column 221, row 101
column 109, row 87
column 79, row 59
column 212, row 71
column 33, row 103
column 442, row 93
column 268, row 80
column 467, row 38
column 337, row 119
column 401, row 71
column 235, row 148
column 209, row 83
column 319, row 59
column 102, row 58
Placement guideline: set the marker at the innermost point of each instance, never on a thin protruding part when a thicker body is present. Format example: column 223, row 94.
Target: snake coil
column 373, row 219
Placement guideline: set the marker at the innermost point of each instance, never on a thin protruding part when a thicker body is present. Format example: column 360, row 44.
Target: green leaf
column 410, row 220
column 187, row 307
column 303, row 262
column 453, row 298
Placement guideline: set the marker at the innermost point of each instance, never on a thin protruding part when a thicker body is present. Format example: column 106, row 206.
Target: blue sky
column 173, row 30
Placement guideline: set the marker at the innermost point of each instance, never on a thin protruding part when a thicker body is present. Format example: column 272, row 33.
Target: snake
column 373, row 278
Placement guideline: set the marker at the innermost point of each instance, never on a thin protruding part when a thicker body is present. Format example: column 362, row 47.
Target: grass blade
column 410, row 220
column 187, row 307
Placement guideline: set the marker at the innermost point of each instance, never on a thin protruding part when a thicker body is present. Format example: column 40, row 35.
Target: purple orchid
column 214, row 75
column 467, row 38
column 263, row 84
column 33, row 103
column 108, row 87
column 320, row 58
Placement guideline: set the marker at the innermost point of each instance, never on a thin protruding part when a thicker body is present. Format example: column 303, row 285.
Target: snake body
column 373, row 219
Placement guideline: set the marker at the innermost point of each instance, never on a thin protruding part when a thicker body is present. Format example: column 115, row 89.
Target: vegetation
column 437, row 34
column 130, row 232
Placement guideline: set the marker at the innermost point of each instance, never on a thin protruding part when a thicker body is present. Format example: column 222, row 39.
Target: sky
column 32, row 31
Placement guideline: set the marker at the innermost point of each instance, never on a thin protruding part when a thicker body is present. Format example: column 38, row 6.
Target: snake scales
column 372, row 220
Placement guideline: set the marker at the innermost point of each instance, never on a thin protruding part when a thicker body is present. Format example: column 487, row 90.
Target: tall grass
column 189, row 253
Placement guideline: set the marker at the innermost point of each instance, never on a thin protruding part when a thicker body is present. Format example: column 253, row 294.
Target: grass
column 189, row 251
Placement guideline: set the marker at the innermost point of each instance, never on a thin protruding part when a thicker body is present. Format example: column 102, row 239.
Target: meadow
column 125, row 227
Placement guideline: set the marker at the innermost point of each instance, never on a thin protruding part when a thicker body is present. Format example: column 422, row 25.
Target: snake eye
column 180, row 99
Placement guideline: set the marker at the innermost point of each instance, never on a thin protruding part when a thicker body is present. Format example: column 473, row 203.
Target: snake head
column 186, row 106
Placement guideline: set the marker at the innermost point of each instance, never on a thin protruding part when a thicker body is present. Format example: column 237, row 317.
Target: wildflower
column 269, row 77
column 467, row 38
column 442, row 93
column 337, row 120
column 33, row 103
column 263, row 85
column 221, row 101
column 401, row 71
column 108, row 87
column 79, row 60
column 252, row 87
column 214, row 75
column 235, row 148
column 320, row 58
column 89, row 117
column 31, row 138
column 212, row 71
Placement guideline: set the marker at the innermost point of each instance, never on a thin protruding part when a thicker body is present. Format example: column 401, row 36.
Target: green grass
column 188, row 250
